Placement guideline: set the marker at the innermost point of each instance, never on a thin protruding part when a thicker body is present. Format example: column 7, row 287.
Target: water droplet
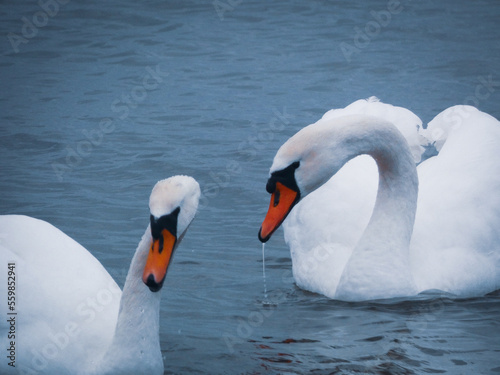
column 264, row 272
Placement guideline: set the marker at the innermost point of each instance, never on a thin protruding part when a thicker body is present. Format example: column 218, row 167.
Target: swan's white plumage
column 455, row 245
column 68, row 305
column 446, row 122
column 405, row 120
column 324, row 227
column 58, row 286
column 458, row 208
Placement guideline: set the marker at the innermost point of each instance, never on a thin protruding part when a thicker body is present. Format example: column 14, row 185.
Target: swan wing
column 455, row 243
column 446, row 122
column 66, row 302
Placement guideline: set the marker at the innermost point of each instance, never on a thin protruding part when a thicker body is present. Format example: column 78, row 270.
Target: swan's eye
column 276, row 198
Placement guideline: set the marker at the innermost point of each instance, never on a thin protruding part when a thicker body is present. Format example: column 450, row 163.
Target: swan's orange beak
column 159, row 257
column 282, row 201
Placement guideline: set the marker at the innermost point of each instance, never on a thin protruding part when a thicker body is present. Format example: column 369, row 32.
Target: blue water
column 100, row 100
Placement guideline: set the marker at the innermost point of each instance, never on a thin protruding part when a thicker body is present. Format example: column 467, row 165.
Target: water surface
column 104, row 99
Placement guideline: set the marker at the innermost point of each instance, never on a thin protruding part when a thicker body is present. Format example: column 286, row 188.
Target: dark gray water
column 100, row 100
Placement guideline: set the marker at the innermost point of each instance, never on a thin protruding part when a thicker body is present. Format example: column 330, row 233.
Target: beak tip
column 263, row 239
column 152, row 284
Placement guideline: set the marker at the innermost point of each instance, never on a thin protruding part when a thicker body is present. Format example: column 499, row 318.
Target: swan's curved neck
column 136, row 338
column 394, row 212
column 382, row 253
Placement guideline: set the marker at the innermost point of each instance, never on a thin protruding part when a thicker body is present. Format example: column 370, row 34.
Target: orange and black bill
column 159, row 257
column 163, row 233
column 282, row 201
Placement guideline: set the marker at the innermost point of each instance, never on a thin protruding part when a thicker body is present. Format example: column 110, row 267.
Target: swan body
column 456, row 241
column 356, row 236
column 319, row 251
column 72, row 318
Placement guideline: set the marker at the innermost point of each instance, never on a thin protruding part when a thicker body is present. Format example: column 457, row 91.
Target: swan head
column 173, row 204
column 297, row 170
column 313, row 155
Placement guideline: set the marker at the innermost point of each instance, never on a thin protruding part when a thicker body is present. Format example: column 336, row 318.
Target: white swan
column 355, row 188
column 357, row 256
column 72, row 317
